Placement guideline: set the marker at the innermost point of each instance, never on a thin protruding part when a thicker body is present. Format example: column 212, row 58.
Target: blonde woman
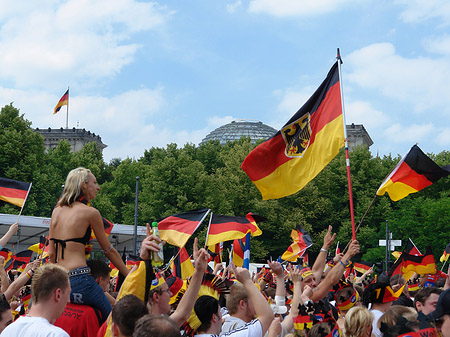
column 70, row 230
column 358, row 322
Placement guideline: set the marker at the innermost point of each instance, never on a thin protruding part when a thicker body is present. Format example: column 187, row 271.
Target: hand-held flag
column 302, row 241
column 285, row 163
column 13, row 191
column 414, row 172
column 63, row 101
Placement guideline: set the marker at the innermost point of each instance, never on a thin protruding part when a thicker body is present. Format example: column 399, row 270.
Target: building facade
column 76, row 137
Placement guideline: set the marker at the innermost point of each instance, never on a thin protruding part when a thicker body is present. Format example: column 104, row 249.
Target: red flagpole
column 347, row 158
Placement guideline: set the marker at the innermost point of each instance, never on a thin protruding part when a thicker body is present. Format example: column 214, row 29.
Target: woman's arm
column 11, row 231
column 96, row 222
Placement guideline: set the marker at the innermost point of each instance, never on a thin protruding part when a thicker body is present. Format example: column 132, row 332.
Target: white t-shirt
column 26, row 326
column 375, row 330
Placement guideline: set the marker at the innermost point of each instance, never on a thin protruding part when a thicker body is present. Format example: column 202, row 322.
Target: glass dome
column 253, row 129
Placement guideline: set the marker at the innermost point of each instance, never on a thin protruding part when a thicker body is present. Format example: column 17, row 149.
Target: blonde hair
column 391, row 316
column 73, row 187
column 356, row 321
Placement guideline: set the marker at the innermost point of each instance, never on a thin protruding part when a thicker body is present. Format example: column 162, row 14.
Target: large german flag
column 226, row 228
column 285, row 163
column 177, row 229
column 414, row 172
column 13, row 191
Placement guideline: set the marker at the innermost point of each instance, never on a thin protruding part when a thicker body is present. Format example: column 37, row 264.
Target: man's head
column 207, row 310
column 155, row 326
column 100, row 271
column 426, row 299
column 307, row 277
column 125, row 313
column 6, row 316
column 441, row 316
column 51, row 284
column 159, row 296
column 239, row 304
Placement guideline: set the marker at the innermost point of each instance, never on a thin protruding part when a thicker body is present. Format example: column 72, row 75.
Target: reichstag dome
column 253, row 129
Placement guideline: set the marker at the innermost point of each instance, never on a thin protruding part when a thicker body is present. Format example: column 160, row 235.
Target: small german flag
column 445, row 254
column 182, row 265
column 414, row 172
column 177, row 229
column 13, row 191
column 361, row 267
column 302, row 241
column 238, row 252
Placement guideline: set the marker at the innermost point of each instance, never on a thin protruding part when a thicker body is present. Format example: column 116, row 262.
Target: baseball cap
column 442, row 306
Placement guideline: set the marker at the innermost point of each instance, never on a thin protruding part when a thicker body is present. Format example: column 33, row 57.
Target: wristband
column 324, row 250
column 108, row 250
column 345, row 266
column 28, row 274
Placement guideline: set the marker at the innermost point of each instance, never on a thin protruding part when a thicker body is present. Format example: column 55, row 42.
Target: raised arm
column 22, row 279
column 335, row 273
column 187, row 302
column 8, row 235
column 319, row 264
column 262, row 308
column 4, row 277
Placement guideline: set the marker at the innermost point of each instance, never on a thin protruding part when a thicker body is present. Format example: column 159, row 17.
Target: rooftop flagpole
column 347, row 158
column 67, row 113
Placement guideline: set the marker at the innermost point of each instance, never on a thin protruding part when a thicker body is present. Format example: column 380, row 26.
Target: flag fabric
column 226, row 228
column 21, row 259
column 361, row 267
column 408, row 264
column 13, row 191
column 38, row 247
column 338, row 249
column 131, row 261
column 445, row 254
column 218, row 251
column 302, row 241
column 182, row 265
column 411, row 248
column 63, row 101
column 177, row 229
column 7, row 255
column 285, row 163
column 238, row 252
column 414, row 172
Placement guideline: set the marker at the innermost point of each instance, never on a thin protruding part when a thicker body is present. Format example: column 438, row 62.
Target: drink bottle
column 157, row 257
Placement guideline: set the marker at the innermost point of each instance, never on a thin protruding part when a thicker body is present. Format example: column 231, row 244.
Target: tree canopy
column 174, row 180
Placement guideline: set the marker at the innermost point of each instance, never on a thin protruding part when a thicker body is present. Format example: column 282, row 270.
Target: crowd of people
column 74, row 297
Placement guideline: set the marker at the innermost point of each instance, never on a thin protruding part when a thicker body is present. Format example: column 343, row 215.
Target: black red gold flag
column 414, row 172
column 181, row 265
column 177, row 229
column 445, row 254
column 225, row 228
column 64, row 100
column 408, row 264
column 13, row 191
column 238, row 252
column 286, row 162
column 301, row 241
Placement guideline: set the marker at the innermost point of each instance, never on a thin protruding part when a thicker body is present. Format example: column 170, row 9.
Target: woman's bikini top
column 84, row 240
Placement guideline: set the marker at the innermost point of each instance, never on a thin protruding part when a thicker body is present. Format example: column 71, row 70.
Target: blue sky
column 144, row 74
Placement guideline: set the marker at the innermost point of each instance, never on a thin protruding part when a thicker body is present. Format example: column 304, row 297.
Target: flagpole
column 67, row 113
column 347, row 157
column 207, row 233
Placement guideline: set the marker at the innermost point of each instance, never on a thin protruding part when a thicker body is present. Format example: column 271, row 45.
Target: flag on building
column 13, row 191
column 226, row 228
column 63, row 101
column 285, row 163
column 301, row 242
column 414, row 172
column 445, row 254
column 177, row 229
column 181, row 265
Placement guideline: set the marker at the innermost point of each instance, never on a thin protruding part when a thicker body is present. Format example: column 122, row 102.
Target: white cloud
column 425, row 10
column 233, row 7
column 293, row 8
column 409, row 134
column 438, row 45
column 360, row 112
column 422, row 82
column 80, row 40
column 443, row 137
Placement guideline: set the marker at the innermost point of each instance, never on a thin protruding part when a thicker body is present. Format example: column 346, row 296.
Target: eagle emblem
column 296, row 136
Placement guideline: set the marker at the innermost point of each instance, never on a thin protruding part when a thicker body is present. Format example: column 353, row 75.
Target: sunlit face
column 164, row 299
column 91, row 188
column 309, row 281
column 6, row 319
